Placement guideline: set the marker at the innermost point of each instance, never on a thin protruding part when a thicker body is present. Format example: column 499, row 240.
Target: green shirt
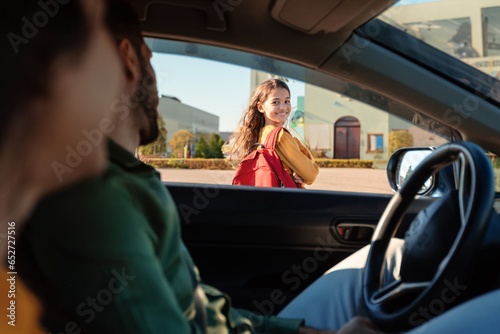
column 106, row 256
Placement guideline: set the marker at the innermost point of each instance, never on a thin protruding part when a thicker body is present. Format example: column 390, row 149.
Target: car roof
column 266, row 27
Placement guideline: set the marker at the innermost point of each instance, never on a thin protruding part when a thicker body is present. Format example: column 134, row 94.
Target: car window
column 202, row 92
column 469, row 32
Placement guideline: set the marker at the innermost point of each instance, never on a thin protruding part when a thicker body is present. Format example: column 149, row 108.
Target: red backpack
column 263, row 167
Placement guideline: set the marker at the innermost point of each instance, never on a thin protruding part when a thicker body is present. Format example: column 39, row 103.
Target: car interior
column 249, row 242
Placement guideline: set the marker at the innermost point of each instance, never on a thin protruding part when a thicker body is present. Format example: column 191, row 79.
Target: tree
column 179, row 140
column 160, row 144
column 216, row 146
column 208, row 146
column 202, row 149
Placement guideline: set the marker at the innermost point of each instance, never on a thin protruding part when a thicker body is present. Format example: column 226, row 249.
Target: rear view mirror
column 403, row 162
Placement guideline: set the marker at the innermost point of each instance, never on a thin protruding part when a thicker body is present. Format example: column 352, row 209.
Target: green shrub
column 224, row 164
column 208, row 146
column 399, row 139
column 189, row 163
column 202, row 149
column 343, row 163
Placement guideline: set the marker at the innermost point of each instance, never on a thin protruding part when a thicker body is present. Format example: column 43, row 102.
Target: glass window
column 375, row 142
column 204, row 91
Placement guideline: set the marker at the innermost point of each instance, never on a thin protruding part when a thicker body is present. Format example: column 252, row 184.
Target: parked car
column 377, row 71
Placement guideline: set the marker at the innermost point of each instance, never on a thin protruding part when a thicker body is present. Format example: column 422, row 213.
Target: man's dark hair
column 122, row 21
column 34, row 34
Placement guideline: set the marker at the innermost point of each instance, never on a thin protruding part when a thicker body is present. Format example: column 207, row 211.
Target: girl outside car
column 268, row 109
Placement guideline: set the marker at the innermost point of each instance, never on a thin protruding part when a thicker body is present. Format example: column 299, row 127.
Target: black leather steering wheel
column 441, row 243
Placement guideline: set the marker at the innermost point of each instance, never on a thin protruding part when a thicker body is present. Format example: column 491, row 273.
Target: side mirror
column 403, row 162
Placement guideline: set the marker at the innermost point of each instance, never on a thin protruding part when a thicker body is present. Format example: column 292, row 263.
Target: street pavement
column 339, row 179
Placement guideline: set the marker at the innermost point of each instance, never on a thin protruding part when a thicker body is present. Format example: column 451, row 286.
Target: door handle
column 354, row 232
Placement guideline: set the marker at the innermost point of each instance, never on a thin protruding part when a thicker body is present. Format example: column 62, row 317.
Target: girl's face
column 277, row 107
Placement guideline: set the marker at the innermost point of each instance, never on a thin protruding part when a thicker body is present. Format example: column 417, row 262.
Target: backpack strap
column 285, row 179
column 256, row 145
column 272, row 137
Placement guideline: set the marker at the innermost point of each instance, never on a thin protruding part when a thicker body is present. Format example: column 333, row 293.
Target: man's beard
column 150, row 107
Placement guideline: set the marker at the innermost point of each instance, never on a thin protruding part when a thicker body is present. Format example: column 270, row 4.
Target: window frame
column 368, row 142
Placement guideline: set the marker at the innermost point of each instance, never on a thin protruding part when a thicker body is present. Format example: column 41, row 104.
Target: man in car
column 50, row 54
column 106, row 255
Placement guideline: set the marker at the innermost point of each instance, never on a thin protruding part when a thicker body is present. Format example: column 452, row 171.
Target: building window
column 375, row 142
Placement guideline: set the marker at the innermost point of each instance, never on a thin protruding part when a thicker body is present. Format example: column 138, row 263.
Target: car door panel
column 252, row 242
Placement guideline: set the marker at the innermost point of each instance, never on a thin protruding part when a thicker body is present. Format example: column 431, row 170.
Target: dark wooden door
column 347, row 138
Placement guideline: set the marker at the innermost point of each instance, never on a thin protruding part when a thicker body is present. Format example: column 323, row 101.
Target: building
column 180, row 116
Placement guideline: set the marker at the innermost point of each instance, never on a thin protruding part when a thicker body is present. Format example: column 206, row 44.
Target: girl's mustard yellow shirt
column 294, row 156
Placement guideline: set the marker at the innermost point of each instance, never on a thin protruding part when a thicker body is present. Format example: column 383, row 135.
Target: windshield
column 467, row 30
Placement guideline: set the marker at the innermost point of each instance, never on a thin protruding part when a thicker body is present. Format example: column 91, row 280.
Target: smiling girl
column 269, row 108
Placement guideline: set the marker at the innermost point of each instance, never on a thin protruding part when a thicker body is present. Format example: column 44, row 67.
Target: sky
column 218, row 88
column 211, row 86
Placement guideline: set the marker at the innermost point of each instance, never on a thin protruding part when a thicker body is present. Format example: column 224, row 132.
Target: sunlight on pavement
column 338, row 179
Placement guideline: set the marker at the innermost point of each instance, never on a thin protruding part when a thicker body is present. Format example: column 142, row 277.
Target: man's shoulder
column 115, row 196
column 90, row 196
column 101, row 208
column 112, row 179
column 102, row 213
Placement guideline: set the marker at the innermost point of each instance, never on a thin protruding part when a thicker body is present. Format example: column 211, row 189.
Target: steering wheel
column 440, row 245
